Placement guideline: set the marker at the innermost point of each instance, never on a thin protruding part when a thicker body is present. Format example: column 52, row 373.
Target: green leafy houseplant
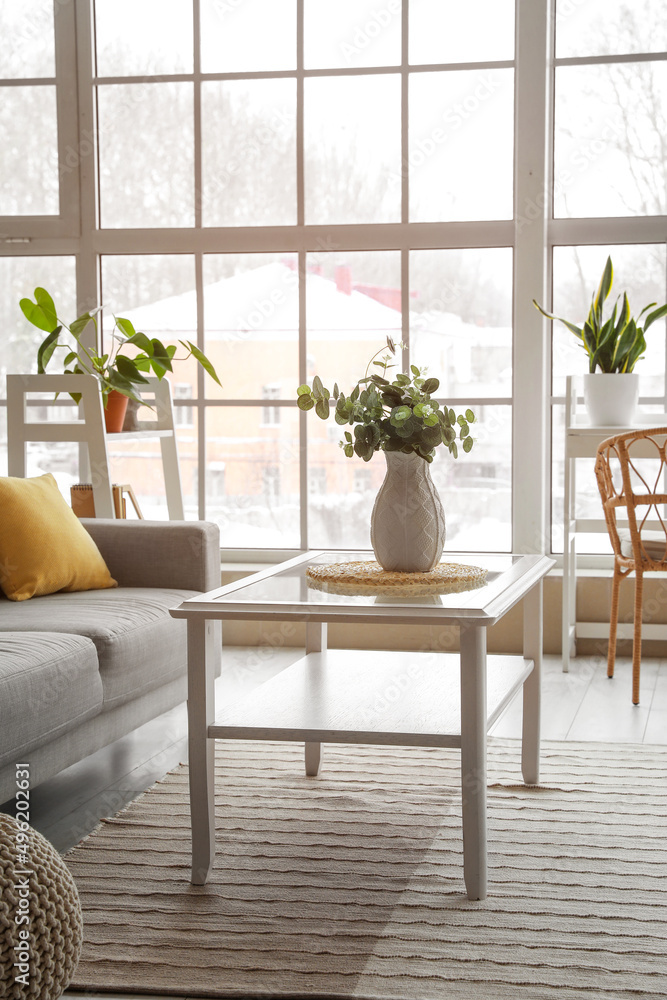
column 391, row 415
column 115, row 370
column 618, row 343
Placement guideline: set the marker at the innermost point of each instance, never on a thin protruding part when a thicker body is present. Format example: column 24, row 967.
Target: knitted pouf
column 41, row 927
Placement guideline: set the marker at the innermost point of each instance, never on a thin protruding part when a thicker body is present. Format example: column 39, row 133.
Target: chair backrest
column 638, row 489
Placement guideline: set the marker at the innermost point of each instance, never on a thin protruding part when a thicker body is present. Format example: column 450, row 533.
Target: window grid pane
column 28, row 44
column 610, row 27
column 145, row 182
column 28, row 151
column 609, row 157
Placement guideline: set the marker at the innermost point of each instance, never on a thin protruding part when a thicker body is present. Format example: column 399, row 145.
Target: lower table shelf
column 361, row 696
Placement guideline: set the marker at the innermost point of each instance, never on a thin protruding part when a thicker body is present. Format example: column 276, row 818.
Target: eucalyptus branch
column 391, row 416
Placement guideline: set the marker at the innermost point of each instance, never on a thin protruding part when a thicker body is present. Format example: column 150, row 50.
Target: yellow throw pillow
column 43, row 546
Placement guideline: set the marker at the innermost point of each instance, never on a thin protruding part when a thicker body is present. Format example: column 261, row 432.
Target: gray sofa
column 78, row 671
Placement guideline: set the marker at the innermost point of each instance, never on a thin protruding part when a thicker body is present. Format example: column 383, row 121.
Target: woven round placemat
column 369, row 578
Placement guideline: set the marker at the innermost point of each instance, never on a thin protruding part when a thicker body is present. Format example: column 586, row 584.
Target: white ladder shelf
column 90, row 430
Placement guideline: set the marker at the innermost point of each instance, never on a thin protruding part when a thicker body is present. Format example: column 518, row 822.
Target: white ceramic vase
column 408, row 522
column 611, row 399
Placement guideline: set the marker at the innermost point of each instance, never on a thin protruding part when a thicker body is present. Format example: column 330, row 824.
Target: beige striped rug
column 350, row 885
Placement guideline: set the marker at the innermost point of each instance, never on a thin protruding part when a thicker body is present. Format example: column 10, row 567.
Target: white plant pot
column 408, row 522
column 611, row 400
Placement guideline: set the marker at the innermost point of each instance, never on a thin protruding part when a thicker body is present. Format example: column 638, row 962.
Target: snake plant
column 615, row 344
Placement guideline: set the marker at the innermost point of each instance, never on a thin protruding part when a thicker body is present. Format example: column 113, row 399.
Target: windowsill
column 247, row 567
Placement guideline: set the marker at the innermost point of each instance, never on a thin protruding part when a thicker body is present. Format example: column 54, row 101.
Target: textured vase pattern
column 408, row 522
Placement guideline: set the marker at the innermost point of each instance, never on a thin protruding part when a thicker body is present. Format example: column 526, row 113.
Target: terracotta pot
column 408, row 522
column 114, row 411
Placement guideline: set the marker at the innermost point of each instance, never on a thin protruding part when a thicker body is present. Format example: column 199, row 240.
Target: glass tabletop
column 287, row 586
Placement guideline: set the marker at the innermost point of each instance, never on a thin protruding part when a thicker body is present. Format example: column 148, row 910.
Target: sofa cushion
column 43, row 546
column 139, row 645
column 49, row 684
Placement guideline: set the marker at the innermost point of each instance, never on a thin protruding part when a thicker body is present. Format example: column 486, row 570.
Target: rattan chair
column 628, row 489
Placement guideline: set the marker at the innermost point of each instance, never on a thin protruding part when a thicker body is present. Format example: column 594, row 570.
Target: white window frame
column 24, row 232
column 594, row 231
column 532, row 234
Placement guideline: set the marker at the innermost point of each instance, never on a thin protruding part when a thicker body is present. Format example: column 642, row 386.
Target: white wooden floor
column 580, row 705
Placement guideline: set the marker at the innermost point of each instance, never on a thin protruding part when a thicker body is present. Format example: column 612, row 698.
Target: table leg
column 473, row 758
column 204, row 647
column 532, row 686
column 316, row 642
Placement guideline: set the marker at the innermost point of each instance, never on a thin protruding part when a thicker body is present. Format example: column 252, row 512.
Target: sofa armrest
column 180, row 554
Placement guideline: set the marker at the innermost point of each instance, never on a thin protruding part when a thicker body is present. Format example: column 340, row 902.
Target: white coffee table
column 427, row 698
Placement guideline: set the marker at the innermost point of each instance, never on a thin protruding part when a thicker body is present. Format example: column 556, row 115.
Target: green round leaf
column 363, row 450
column 399, row 415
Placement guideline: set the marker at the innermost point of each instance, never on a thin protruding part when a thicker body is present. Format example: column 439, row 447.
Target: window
column 270, row 414
column 183, row 415
column 610, row 113
column 40, row 151
column 216, row 481
column 271, row 483
column 361, row 480
column 285, row 184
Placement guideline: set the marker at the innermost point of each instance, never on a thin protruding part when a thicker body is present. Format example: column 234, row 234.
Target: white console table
column 582, row 441
column 90, row 430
